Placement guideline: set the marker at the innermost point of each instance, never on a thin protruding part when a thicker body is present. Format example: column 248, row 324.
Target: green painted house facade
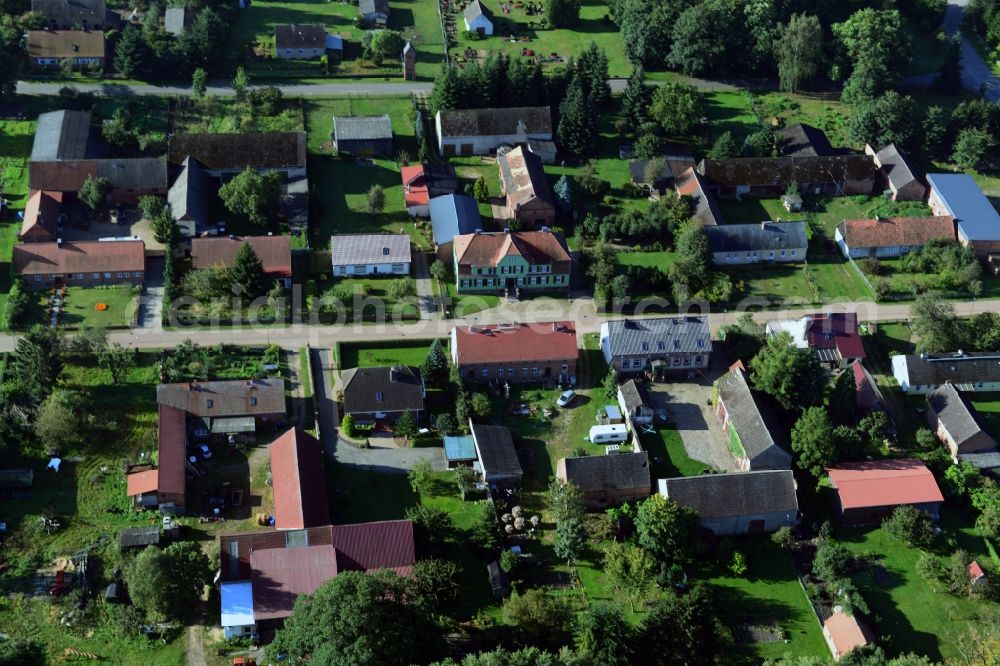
column 535, row 261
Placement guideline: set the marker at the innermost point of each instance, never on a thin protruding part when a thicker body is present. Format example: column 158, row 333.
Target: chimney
column 763, row 225
column 878, row 218
column 59, row 242
column 507, row 230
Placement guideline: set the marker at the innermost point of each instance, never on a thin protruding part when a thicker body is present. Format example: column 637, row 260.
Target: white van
column 608, row 434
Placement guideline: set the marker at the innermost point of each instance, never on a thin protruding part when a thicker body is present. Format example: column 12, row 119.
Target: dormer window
column 385, row 252
column 209, row 403
column 677, row 344
column 378, row 396
column 661, row 345
column 253, row 402
column 701, row 344
column 645, row 346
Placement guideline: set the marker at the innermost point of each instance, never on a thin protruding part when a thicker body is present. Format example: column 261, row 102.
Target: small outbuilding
column 499, row 580
column 868, row 492
column 498, row 462
column 738, row 503
column 844, row 633
column 608, row 480
column 139, row 537
column 459, row 450
column 362, row 135
column 478, row 18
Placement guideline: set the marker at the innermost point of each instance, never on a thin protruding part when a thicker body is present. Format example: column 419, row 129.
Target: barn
column 362, row 135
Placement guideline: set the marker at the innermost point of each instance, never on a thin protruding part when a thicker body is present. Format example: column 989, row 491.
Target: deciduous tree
column 562, row 13
column 677, row 107
column 631, row 570
column 792, row 376
column 606, row 636
column 798, row 51
column 935, row 324
column 813, row 443
column 199, row 82
column 375, row 199
column 252, row 195
column 167, row 583
column 666, row 530
column 93, row 191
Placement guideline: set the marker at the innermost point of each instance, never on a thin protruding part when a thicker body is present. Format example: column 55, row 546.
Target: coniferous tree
column 577, row 130
column 637, row 98
column 447, row 93
column 247, row 271
column 132, row 55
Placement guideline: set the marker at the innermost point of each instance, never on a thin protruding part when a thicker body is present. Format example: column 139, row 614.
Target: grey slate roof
column 763, row 439
column 634, row 395
column 757, row 237
column 188, row 196
column 737, row 494
column 137, row 173
column 706, row 209
column 896, row 166
column 383, row 389
column 174, row 20
column 496, row 450
column 638, row 337
column 985, row 461
column 61, row 135
column 238, row 150
column 72, row 12
column 452, row 215
column 299, row 36
column 616, row 471
column 227, row 398
column 780, row 171
column 370, row 249
column 374, row 7
column 801, row 140
column 491, row 122
column 475, row 9
column 969, row 368
column 360, row 128
column 139, row 537
column 956, row 412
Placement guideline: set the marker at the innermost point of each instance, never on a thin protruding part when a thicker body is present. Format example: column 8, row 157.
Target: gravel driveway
column 389, row 460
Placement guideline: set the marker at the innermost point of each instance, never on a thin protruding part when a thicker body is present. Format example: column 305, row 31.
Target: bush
column 784, row 538
column 738, row 566
column 347, row 425
column 832, row 561
column 910, row 525
column 930, row 568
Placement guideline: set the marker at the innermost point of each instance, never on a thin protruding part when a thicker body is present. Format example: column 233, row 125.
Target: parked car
column 566, row 398
column 206, row 452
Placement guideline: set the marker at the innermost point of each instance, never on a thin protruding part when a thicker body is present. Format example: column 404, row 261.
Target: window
column 701, row 344
column 38, row 278
column 524, row 370
column 378, row 396
column 534, row 369
column 565, row 367
column 645, row 346
column 385, row 252
column 661, row 345
column 209, row 403
column 398, row 268
column 687, row 360
column 793, row 253
column 677, row 344
column 782, row 253
column 97, row 276
column 253, row 402
column 137, row 274
column 697, row 360
column 677, row 360
column 479, row 282
column 486, row 372
column 359, row 268
column 107, row 276
column 510, row 371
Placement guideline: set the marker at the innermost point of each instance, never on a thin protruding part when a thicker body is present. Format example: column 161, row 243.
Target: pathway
column 196, row 637
column 425, row 287
column 151, row 301
column 323, row 370
column 299, row 416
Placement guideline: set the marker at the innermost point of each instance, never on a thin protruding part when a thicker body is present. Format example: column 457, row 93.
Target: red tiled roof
column 878, row 483
column 537, row 247
column 40, row 213
column 867, row 398
column 845, row 632
column 838, row 330
column 66, row 176
column 975, row 571
column 280, row 575
column 299, row 485
column 82, row 257
column 890, row 231
column 274, row 252
column 141, row 483
column 414, row 185
column 171, row 447
column 517, row 343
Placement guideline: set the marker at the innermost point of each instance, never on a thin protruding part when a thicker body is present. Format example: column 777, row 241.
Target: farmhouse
column 770, row 242
column 482, row 131
column 801, row 140
column 756, row 439
column 891, row 236
column 478, row 18
column 523, row 182
column 298, row 481
column 224, row 155
column 188, row 199
column 898, row 175
column 953, row 418
column 374, row 12
column 370, row 254
column 299, row 41
column 867, row 492
column 976, row 220
column 42, row 219
column 507, row 353
column 739, row 503
column 921, row 374
column 362, row 135
column 511, row 261
column 833, row 175
column 383, row 393
column 60, row 14
column 48, row 48
column 423, row 182
column 704, row 207
column 607, row 480
column 274, row 252
column 833, row 336
column 657, row 345
column 498, row 463
column 83, row 264
column 452, row 215
column 869, row 396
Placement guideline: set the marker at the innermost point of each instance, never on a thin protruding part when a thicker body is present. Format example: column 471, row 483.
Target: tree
column 164, row 228
column 910, row 525
column 36, row 363
column 265, row 101
column 440, row 271
column 247, row 272
column 58, row 423
column 677, row 107
column 93, row 191
column 784, row 538
column 436, row 580
column 647, row 29
column 843, row 400
column 798, row 51
column 935, row 129
column 682, row 630
column 375, row 199
column 381, row 45
column 565, row 501
column 17, row 301
column 406, row 425
column 972, row 147
column 435, row 365
column 666, row 530
column 252, row 195
column 724, row 147
column 420, row 477
column 926, row 439
column 930, row 568
column 447, row 91
column 432, row 524
column 132, row 55
column 691, row 267
column 357, row 619
column 606, row 636
column 577, row 131
column 792, row 376
column 571, row 540
column 696, row 48
column 480, row 190
column 563, row 192
column 745, row 338
column 117, row 360
column 167, row 583
column 813, row 443
column 544, row 619
column 959, row 581
column 888, row 118
column 935, row 324
column 240, row 83
column 759, row 144
column 630, row 569
column 481, row 406
column 636, row 98
column 832, row 561
column 402, row 288
column 199, row 82
column 872, row 49
column 486, row 532
column 562, row 13
column 20, row 652
column 961, row 479
column 465, row 479
column 347, row 425
column 949, row 78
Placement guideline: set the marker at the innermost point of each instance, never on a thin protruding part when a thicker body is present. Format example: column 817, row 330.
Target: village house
column 833, row 336
column 263, row 572
column 274, row 252
column 423, row 182
column 298, row 481
column 42, row 217
column 82, row 264
column 738, row 503
column 374, row 12
column 801, row 140
column 833, row 175
column 704, row 206
column 844, row 632
column 383, row 393
column 497, row 457
column 770, row 242
column 482, row 131
column 223, row 155
column 637, row 409
column 523, row 183
column 920, row 374
column 511, row 261
column 869, row 395
column 755, row 438
column 887, row 237
column 868, row 492
column 188, row 200
column 478, row 18
column 976, row 220
column 302, row 41
column 452, row 215
column 955, row 421
column 656, row 346
column 898, row 175
column 508, row 353
column 607, row 480
column 370, row 254
column 78, row 14
column 48, row 48
column 364, row 136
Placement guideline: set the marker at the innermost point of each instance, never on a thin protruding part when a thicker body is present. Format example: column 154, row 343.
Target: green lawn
column 754, row 211
column 768, row 593
column 371, row 294
column 594, row 26
column 988, row 406
column 464, row 305
column 822, row 110
column 80, row 307
column 16, row 137
column 668, row 457
column 219, row 115
column 729, row 111
column 391, row 352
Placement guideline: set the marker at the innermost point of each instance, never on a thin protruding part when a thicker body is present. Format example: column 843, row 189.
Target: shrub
column 910, row 525
column 738, row 566
column 784, row 538
column 347, row 425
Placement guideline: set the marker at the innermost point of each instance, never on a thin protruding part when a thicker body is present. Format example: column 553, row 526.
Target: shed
column 113, row 594
column 362, row 135
column 139, row 537
column 459, row 449
column 607, row 480
column 738, row 503
column 499, row 580
column 452, row 215
column 498, row 461
column 237, row 608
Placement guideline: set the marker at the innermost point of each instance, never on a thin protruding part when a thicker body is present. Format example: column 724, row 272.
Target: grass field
column 463, row 305
column 729, row 112
column 988, row 406
column 393, row 352
column 80, row 307
column 668, row 457
column 16, row 137
column 217, row 114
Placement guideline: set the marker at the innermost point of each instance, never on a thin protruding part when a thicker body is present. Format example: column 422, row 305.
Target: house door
column 466, row 148
column 756, row 527
column 548, row 371
column 449, row 150
column 374, row 270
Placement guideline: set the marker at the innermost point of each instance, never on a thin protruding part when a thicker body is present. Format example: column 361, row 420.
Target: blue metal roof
column 237, row 604
column 452, row 215
column 459, row 448
column 976, row 217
